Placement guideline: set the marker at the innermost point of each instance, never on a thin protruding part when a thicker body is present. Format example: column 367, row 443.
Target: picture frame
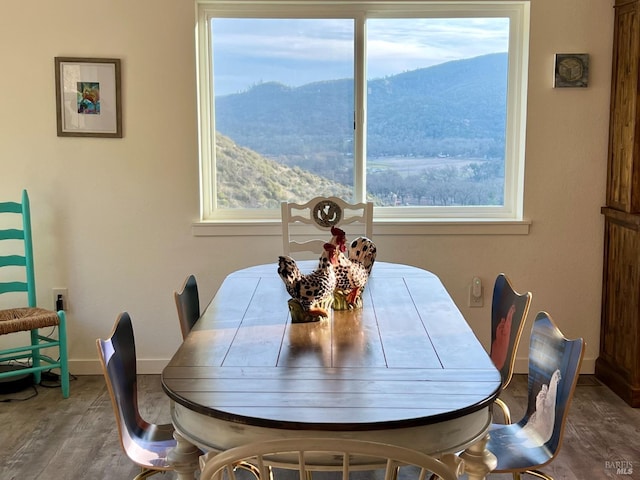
column 571, row 70
column 88, row 97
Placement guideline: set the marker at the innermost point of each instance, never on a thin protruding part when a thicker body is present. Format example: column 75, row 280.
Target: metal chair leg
column 505, row 410
column 539, row 474
column 146, row 473
column 533, row 473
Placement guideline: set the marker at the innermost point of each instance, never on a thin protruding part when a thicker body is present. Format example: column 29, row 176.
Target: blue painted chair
column 187, row 305
column 146, row 444
column 17, row 275
column 509, row 311
column 534, row 441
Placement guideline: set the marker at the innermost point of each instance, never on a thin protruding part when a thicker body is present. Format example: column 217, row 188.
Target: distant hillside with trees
column 456, row 108
column 248, row 180
column 278, row 142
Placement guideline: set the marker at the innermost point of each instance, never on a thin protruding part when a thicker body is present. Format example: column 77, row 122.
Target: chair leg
column 35, row 355
column 146, row 473
column 538, row 474
column 505, row 410
column 64, row 359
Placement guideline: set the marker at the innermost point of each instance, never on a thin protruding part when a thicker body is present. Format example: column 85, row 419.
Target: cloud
column 284, row 39
column 298, row 51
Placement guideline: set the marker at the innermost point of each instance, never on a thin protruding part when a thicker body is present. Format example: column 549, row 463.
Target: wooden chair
column 146, row 444
column 322, row 454
column 509, row 311
column 554, row 366
column 188, row 305
column 19, row 276
column 321, row 213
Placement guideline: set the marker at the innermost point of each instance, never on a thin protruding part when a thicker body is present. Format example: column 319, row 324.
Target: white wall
column 112, row 217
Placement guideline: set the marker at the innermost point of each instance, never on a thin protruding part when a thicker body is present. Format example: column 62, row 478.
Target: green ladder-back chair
column 29, row 318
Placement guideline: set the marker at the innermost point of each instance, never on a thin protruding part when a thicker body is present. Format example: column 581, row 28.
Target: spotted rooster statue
column 353, row 270
column 311, row 294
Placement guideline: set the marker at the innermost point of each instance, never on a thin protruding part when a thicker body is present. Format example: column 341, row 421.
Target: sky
column 296, row 52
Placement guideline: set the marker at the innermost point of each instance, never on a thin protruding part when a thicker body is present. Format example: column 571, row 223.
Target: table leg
column 478, row 461
column 184, row 458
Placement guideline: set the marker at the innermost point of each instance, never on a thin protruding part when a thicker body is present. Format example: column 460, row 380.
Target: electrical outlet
column 60, row 294
column 476, row 293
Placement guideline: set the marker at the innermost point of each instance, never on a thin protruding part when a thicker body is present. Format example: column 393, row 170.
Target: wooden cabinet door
column 618, row 365
column 623, row 176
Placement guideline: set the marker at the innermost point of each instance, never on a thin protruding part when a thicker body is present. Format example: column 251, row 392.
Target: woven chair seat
column 26, row 318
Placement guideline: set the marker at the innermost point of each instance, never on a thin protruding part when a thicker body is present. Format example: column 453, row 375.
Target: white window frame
column 518, row 11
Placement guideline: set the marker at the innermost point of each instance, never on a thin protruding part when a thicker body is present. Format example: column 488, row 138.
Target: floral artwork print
column 88, row 95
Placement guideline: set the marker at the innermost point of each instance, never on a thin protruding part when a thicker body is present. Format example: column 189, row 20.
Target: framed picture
column 88, row 97
column 571, row 70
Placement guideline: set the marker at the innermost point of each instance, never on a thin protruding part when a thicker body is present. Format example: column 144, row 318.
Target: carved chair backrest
column 318, row 216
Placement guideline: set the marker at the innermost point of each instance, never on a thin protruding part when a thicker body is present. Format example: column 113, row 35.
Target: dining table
column 404, row 369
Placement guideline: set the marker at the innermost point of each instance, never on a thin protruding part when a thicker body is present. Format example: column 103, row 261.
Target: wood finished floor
column 49, row 437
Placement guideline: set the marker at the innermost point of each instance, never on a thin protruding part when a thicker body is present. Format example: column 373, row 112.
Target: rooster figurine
column 311, row 294
column 353, row 270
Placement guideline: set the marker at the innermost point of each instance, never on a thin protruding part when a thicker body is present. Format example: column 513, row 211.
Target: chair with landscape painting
column 319, row 215
column 534, row 441
column 509, row 311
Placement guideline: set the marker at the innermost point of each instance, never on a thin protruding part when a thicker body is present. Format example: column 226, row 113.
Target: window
column 418, row 106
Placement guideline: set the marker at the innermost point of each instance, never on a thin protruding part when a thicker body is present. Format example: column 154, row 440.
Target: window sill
column 383, row 227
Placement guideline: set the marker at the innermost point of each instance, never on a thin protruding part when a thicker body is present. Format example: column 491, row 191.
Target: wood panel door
column 618, row 364
column 623, row 175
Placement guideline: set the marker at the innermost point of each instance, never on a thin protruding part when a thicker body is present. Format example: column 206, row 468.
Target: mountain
column 456, row 108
